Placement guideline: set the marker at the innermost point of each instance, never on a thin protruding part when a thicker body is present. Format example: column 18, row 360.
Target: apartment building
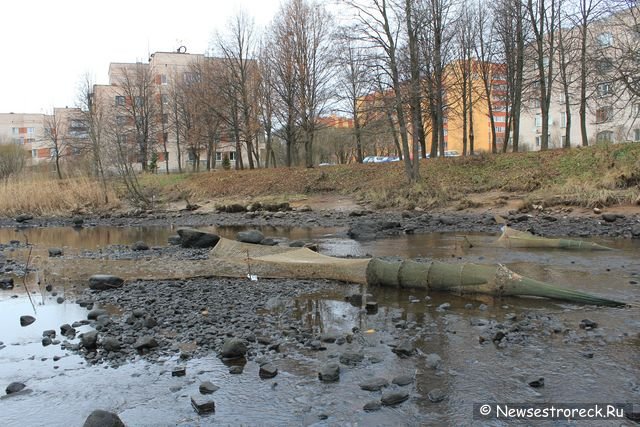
column 44, row 135
column 612, row 113
column 160, row 111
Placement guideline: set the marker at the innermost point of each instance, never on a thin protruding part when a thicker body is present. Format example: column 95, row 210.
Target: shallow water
column 141, row 393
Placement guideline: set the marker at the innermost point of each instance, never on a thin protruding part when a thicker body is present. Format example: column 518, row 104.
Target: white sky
column 49, row 45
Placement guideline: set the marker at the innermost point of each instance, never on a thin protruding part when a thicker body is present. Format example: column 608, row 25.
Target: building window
column 535, row 103
column 139, row 101
column 605, row 89
column 121, row 120
column 30, row 141
column 499, row 129
column 604, row 136
column 563, row 119
column 31, row 131
column 232, row 155
column 15, row 131
column 604, row 114
column 538, row 120
column 538, row 140
column 165, row 137
column 163, row 79
column 164, row 98
column 562, row 98
column 604, row 65
column 605, row 39
column 191, row 78
column 499, row 119
column 636, row 110
column 165, row 119
column 34, row 153
column 218, row 156
column 636, row 134
column 53, row 152
column 120, row 101
column 563, row 139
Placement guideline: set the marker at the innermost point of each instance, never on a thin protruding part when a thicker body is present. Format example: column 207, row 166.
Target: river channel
column 578, row 365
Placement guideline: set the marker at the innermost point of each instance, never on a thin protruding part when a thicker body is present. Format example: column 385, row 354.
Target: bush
column 12, row 160
column 226, row 163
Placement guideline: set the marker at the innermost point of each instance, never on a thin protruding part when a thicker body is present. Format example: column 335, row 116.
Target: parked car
column 451, row 153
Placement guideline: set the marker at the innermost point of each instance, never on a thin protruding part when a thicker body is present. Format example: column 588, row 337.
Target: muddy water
column 470, row 372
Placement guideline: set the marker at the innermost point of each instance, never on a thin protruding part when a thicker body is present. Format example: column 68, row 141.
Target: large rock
column 139, row 246
column 192, row 238
column 6, row 282
column 24, row 217
column 635, row 231
column 329, row 373
column 351, row 358
column 89, row 339
column 14, row 387
column 102, row 282
column 207, row 387
column 394, row 397
column 55, row 252
column 250, row 236
column 233, row 348
column 268, row 370
column 374, row 384
column 100, row 418
column 111, row 344
column 404, row 349
column 202, row 405
column 26, row 320
column 96, row 312
column 145, row 343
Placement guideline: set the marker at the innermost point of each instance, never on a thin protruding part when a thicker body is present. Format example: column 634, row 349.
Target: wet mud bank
column 364, row 224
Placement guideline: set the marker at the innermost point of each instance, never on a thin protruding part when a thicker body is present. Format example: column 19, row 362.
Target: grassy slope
column 593, row 176
column 601, row 175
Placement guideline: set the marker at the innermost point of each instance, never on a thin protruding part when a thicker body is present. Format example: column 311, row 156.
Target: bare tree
column 354, row 83
column 266, row 103
column 484, row 48
column 379, row 26
column 238, row 47
column 279, row 55
column 543, row 18
column 54, row 137
column 137, row 86
column 511, row 33
column 313, row 54
column 95, row 119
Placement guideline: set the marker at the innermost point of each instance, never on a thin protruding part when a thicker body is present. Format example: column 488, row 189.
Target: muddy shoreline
column 364, row 224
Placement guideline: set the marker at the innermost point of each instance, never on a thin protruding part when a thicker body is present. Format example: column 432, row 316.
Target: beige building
column 42, row 135
column 152, row 110
column 613, row 113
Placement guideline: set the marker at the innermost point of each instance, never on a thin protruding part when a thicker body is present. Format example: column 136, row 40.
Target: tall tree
column 379, row 26
column 511, row 33
column 95, row 118
column 313, row 54
column 137, row 85
column 485, row 51
column 238, row 48
column 543, row 18
column 354, row 83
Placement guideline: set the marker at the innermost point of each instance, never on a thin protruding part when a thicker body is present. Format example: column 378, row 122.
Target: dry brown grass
column 39, row 195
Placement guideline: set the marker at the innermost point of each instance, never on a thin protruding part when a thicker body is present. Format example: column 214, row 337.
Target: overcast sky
column 49, row 45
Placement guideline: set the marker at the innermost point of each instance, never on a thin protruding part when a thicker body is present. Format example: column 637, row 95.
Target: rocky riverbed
column 362, row 223
column 300, row 352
